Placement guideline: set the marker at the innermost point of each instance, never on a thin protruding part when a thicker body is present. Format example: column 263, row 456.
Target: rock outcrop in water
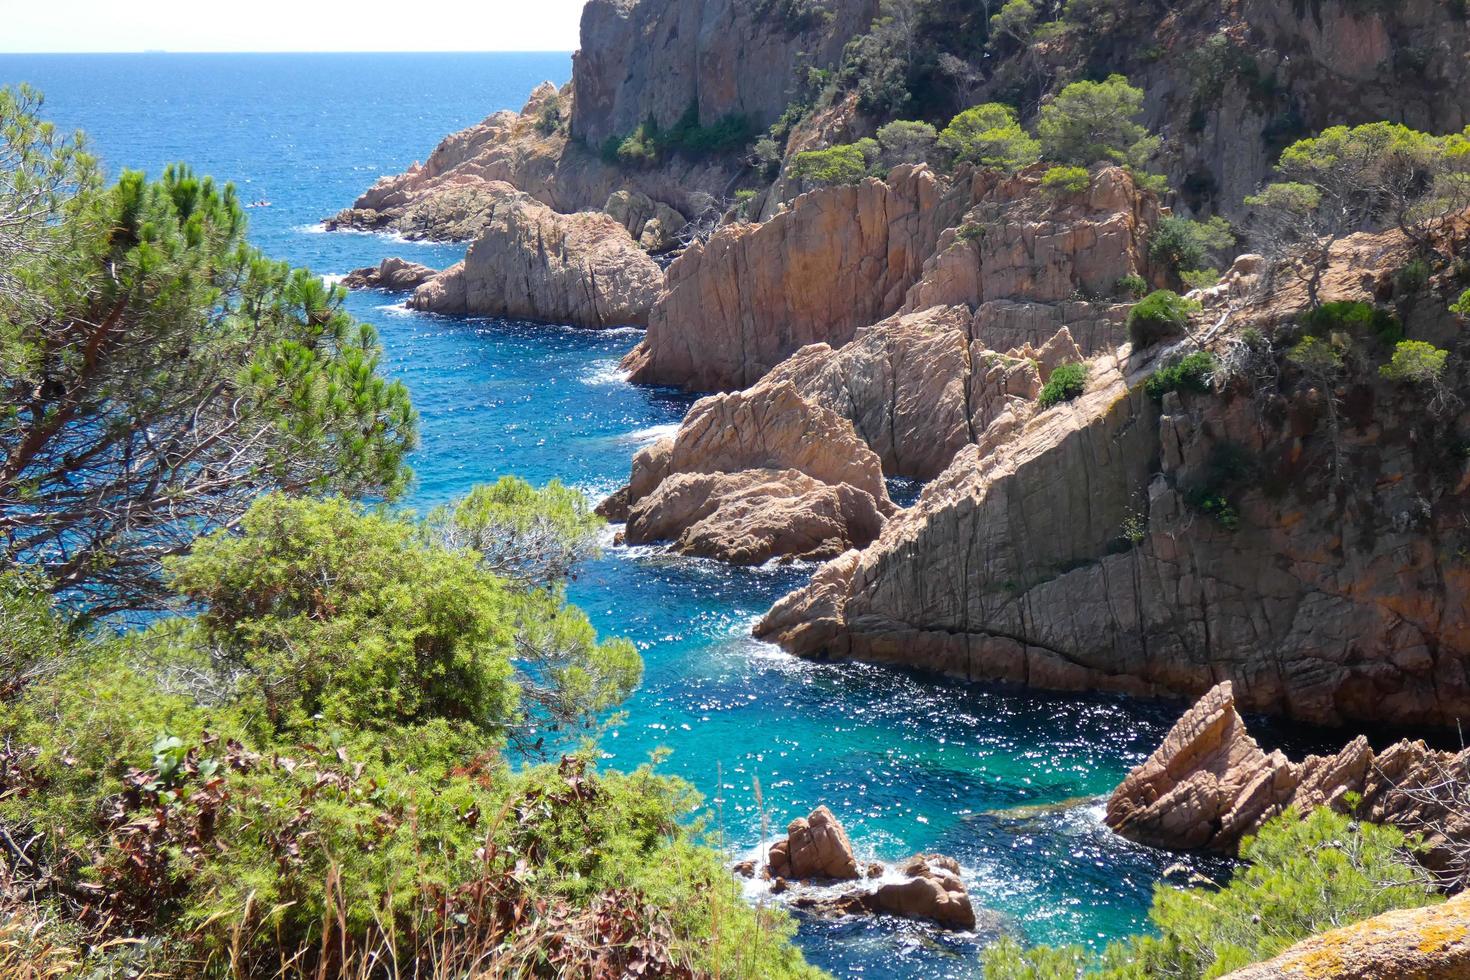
column 756, row 475
column 1158, row 545
column 815, row 846
column 530, row 262
column 393, row 274
column 1209, row 784
column 843, row 258
column 816, row 849
column 1430, row 943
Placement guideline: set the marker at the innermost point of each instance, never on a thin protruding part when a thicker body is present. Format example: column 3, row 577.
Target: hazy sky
column 289, row 25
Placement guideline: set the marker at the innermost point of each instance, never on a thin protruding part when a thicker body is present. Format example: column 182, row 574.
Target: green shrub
column 1180, row 244
column 320, row 746
column 1092, row 121
column 1411, row 277
column 650, row 143
column 1060, row 181
column 906, row 141
column 1415, row 362
column 1159, row 315
column 1200, row 278
column 1066, row 382
column 1302, row 877
column 1352, row 317
column 843, row 164
column 990, row 136
column 1132, row 286
column 1189, row 373
column 1461, row 306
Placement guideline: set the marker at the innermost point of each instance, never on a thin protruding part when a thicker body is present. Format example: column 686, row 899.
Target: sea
column 1010, row 783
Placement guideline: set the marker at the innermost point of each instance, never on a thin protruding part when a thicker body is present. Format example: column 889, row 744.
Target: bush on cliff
column 1064, row 181
column 1302, row 877
column 847, row 163
column 1067, row 381
column 989, row 135
column 1192, row 372
column 1092, row 121
column 1159, row 315
column 315, row 767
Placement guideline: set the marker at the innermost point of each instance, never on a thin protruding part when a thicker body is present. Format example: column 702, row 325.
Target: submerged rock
column 1209, row 784
column 393, row 274
column 531, row 262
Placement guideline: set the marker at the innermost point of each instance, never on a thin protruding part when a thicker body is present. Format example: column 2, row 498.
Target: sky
column 289, row 25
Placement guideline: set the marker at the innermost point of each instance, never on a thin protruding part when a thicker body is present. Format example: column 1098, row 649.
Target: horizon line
column 142, row 51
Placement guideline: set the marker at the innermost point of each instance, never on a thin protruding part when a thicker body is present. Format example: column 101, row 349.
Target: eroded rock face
column 751, row 295
column 531, row 262
column 815, row 846
column 918, row 387
column 839, row 259
column 449, row 196
column 655, row 59
column 755, row 475
column 1430, row 943
column 1080, row 554
column 653, row 224
column 394, row 275
column 1209, row 784
column 752, row 516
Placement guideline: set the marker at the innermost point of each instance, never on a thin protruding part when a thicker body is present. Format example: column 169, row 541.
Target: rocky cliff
column 653, row 60
column 1301, row 538
column 1024, row 263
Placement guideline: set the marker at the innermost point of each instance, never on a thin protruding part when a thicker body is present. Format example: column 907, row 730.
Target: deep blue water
column 908, row 763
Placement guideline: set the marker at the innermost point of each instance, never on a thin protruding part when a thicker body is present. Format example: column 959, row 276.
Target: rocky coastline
column 1265, row 535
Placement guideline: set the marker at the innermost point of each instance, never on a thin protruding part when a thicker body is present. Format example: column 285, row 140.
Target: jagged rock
column 531, row 262
column 754, row 475
column 653, row 224
column 917, row 387
column 815, row 846
column 1077, row 553
column 749, row 517
column 1209, row 784
column 1429, row 943
column 394, row 275
column 841, row 258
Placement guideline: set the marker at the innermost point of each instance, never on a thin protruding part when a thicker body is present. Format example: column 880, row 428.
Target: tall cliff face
column 1230, row 83
column 653, row 59
column 1314, row 554
column 845, row 257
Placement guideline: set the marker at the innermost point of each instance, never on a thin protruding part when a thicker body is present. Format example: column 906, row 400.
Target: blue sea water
column 909, row 763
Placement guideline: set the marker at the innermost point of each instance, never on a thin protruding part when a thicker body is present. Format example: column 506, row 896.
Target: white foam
column 648, row 436
column 333, row 279
column 605, row 372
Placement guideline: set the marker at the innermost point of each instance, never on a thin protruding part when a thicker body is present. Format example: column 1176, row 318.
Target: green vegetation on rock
column 1301, row 877
column 1067, row 381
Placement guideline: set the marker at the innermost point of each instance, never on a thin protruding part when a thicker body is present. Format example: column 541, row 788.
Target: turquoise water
column 908, row 763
